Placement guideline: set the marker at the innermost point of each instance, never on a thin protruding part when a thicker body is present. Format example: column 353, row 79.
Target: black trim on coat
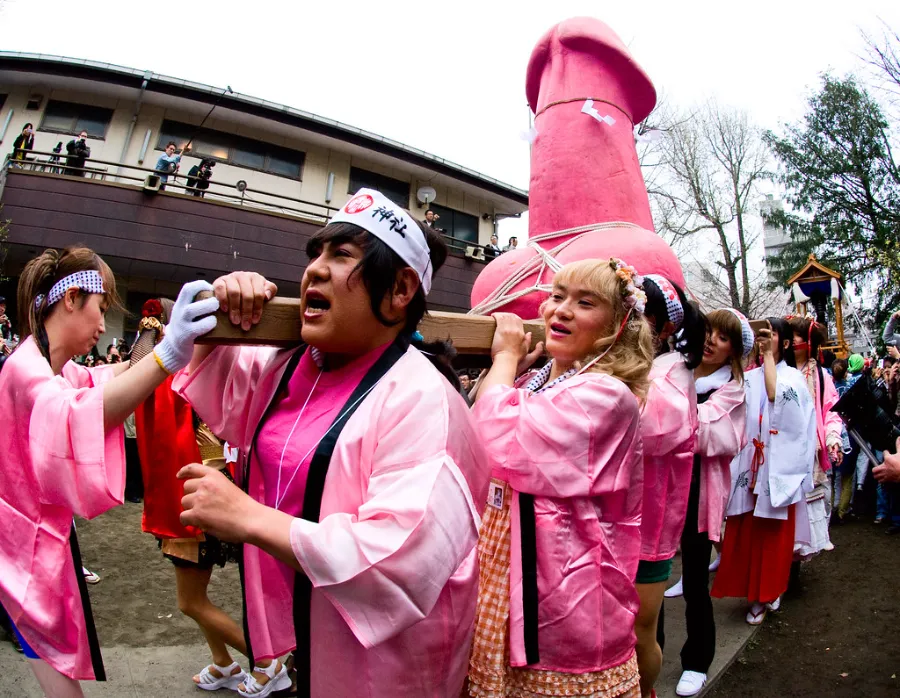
column 529, row 577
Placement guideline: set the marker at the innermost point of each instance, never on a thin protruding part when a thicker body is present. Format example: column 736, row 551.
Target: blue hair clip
column 417, row 336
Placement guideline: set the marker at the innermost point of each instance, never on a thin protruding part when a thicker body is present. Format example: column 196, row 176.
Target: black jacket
column 78, row 151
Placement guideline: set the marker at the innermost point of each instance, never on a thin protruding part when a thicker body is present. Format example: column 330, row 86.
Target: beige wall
column 319, row 160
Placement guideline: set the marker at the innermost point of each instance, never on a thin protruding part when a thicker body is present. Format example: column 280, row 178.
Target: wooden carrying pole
column 280, row 326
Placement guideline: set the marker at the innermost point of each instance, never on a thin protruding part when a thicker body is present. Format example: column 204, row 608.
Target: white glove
column 189, row 320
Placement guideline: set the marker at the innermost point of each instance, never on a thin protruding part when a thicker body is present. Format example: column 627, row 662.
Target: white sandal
column 757, row 613
column 210, row 682
column 278, row 681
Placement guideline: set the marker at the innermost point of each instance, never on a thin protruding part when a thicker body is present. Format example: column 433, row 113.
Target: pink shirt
column 323, row 406
column 270, row 582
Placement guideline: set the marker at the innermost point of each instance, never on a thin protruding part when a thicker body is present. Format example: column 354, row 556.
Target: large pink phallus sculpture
column 587, row 198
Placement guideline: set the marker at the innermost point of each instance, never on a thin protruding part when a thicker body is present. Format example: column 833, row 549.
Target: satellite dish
column 426, row 195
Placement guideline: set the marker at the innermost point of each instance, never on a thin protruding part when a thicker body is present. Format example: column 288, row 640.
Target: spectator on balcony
column 493, row 249
column 24, row 141
column 79, row 151
column 513, row 244
column 5, row 325
column 168, row 162
column 431, row 219
column 199, row 176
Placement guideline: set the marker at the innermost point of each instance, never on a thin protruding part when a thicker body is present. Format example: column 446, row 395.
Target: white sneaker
column 714, row 565
column 690, row 683
column 675, row 591
column 774, row 605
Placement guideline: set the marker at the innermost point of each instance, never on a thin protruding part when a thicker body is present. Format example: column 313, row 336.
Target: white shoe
column 210, row 682
column 714, row 565
column 690, row 683
column 673, row 592
column 89, row 576
column 828, row 547
column 278, row 681
column 757, row 613
column 774, row 605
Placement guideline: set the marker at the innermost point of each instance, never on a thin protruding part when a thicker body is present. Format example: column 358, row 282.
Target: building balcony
column 157, row 240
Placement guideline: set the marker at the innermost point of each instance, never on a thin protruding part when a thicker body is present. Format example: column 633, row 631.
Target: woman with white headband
column 364, row 477
column 767, row 512
column 719, row 382
column 561, row 537
column 668, row 431
column 62, row 441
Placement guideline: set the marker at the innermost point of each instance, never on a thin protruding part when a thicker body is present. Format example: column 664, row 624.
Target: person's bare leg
column 54, row 684
column 219, row 628
column 649, row 654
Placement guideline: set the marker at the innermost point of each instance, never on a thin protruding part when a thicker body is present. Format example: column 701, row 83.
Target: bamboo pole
column 280, row 326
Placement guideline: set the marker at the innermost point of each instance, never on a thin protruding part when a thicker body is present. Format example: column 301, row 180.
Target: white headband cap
column 374, row 212
column 746, row 331
column 673, row 303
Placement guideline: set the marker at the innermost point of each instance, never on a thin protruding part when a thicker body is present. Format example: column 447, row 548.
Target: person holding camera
column 168, row 162
column 24, row 141
column 199, row 176
column 79, row 151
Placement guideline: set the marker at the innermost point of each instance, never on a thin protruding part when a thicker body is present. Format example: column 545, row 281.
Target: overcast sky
column 448, row 77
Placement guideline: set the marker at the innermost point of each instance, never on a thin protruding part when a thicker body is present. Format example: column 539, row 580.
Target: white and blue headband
column 374, row 212
column 88, row 281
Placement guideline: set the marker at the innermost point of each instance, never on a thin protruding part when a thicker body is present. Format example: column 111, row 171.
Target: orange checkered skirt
column 490, row 675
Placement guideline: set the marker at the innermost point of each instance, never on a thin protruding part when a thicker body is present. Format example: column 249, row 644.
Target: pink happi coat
column 828, row 423
column 721, row 435
column 577, row 448
column 669, row 433
column 392, row 560
column 58, row 460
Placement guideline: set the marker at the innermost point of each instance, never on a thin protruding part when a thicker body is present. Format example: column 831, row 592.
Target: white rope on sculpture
column 543, row 261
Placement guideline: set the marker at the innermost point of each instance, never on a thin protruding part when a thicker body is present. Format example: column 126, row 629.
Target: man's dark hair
column 513, row 237
column 428, row 210
column 172, row 143
column 380, row 264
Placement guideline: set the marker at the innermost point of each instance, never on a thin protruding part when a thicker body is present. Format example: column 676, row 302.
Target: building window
column 456, row 224
column 233, row 150
column 69, row 117
column 394, row 189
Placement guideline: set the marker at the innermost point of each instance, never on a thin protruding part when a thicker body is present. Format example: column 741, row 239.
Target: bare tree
column 708, row 288
column 883, row 55
column 712, row 160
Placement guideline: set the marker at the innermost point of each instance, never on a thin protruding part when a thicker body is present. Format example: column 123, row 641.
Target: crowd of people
column 403, row 531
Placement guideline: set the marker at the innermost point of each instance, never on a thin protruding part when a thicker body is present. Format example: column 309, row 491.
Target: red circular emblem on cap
column 359, row 203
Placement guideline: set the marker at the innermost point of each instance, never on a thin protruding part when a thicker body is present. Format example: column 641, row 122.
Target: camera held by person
column 199, row 176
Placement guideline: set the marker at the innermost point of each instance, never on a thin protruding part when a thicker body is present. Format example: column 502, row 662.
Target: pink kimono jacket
column 828, row 423
column 720, row 437
column 575, row 447
column 392, row 559
column 668, row 431
column 58, row 460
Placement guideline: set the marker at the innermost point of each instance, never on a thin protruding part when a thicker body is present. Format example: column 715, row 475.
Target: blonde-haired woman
column 561, row 536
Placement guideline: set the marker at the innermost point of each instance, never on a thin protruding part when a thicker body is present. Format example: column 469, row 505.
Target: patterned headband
column 746, row 331
column 88, row 280
column 673, row 304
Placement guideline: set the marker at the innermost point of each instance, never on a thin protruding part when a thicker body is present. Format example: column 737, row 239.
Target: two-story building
column 279, row 173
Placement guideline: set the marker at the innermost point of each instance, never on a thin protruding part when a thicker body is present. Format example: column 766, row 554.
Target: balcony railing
column 234, row 194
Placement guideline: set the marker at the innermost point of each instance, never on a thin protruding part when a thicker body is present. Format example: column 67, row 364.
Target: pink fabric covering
column 720, row 437
column 584, row 171
column 392, row 560
column 577, row 448
column 669, row 432
column 57, row 461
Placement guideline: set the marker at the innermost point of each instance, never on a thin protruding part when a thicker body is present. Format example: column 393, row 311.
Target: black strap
column 312, row 504
column 821, row 386
column 529, row 577
column 292, row 364
column 90, row 628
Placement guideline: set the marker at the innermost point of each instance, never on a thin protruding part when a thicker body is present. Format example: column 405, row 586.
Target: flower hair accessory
column 632, row 293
